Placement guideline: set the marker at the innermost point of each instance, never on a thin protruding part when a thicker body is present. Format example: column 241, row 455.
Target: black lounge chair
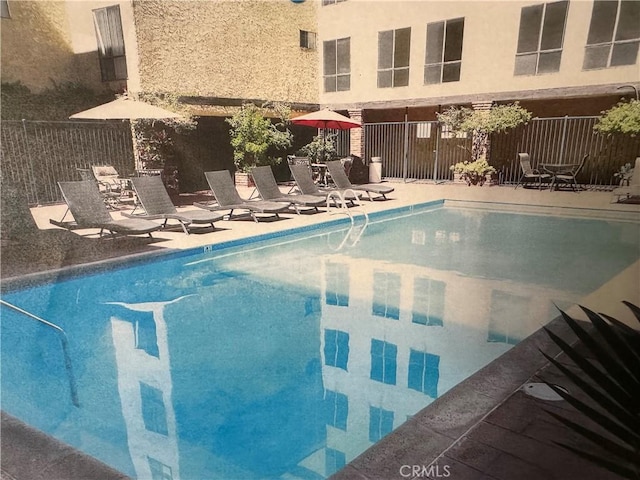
column 304, row 180
column 339, row 177
column 228, row 198
column 568, row 178
column 530, row 174
column 89, row 211
column 157, row 204
column 268, row 190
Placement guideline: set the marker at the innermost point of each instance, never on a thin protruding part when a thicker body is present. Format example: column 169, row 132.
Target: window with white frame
column 383, row 361
column 540, row 38
column 4, row 9
column 394, row 47
column 337, row 65
column 108, row 25
column 614, row 34
column 380, row 423
column 443, row 58
column 386, row 295
column 307, row 40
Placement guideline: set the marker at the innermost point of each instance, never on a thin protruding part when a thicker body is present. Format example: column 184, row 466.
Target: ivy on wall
column 56, row 103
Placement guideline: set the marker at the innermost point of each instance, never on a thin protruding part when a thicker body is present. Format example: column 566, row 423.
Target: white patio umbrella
column 126, row 108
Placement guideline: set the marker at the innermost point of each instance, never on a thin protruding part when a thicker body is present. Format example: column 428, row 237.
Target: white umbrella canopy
column 125, row 108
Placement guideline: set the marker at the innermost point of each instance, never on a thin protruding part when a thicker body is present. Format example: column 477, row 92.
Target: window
column 540, row 38
column 614, row 34
column 506, row 311
column 4, row 9
column 424, row 372
column 383, row 361
column 337, row 65
column 336, row 348
column 380, row 423
column 428, row 302
column 337, row 408
column 393, row 58
column 159, row 471
column 113, row 63
column 331, row 2
column 153, row 409
column 386, row 295
column 337, row 284
column 444, row 51
column 307, row 40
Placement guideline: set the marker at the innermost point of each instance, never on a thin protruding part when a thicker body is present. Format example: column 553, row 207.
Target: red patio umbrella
column 326, row 119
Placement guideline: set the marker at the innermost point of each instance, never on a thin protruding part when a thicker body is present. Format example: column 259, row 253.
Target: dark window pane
column 384, row 79
column 343, row 83
column 526, row 64
column 596, row 57
column 435, row 36
column 344, row 55
column 603, row 19
column 401, row 77
column 629, row 23
column 402, row 48
column 553, row 28
column 451, row 72
column 530, row 18
column 4, row 9
column 453, row 44
column 329, row 54
column 385, row 49
column 624, row 54
column 432, row 74
column 330, row 86
column 549, row 62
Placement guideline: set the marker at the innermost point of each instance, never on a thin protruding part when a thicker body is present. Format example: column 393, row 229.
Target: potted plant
column 473, row 173
column 255, row 132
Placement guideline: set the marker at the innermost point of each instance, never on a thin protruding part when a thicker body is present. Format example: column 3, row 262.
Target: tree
column 253, row 135
column 623, row 118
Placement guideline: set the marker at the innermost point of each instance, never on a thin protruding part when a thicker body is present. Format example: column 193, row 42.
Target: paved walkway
column 485, row 428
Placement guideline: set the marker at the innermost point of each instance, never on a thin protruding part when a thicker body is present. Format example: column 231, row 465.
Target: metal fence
column 35, row 155
column 425, row 150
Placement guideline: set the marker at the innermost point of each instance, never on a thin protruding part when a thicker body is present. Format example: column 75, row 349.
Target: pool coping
column 422, row 440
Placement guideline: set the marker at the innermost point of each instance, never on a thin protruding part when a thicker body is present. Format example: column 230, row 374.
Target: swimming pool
column 294, row 355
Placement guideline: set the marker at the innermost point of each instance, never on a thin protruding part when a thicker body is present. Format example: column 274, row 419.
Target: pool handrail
column 65, row 347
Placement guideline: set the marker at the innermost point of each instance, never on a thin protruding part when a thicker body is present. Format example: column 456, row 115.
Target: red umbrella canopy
column 326, row 119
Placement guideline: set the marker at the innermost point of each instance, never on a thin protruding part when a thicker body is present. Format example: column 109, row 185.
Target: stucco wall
column 227, row 48
column 36, row 48
column 490, row 40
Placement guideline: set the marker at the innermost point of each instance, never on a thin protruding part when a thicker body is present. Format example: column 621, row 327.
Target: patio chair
column 568, row 178
column 306, row 185
column 89, row 211
column 530, row 174
column 228, row 198
column 269, row 190
column 631, row 191
column 156, row 202
column 339, row 176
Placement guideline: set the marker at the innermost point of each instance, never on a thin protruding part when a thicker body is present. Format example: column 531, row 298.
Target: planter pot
column 243, row 180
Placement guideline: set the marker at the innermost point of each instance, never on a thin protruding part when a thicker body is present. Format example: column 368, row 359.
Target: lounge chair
column 228, row 198
column 530, row 174
column 568, row 178
column 157, row 204
column 339, row 177
column 306, row 185
column 269, row 190
column 89, row 211
column 631, row 191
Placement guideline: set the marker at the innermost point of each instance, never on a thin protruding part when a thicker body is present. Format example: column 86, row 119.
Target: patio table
column 556, row 169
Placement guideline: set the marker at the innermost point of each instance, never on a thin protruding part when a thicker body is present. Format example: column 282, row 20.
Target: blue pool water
column 287, row 359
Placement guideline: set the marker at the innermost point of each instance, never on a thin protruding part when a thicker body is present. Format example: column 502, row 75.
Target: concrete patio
column 485, row 428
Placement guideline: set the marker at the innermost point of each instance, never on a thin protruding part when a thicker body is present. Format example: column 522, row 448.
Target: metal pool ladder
column 65, row 347
column 340, row 203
